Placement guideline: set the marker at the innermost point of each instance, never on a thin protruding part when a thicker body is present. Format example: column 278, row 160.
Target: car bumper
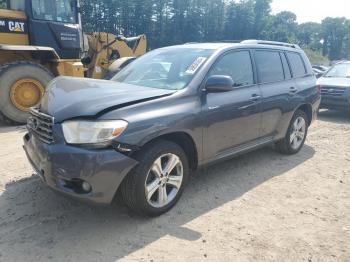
column 341, row 102
column 64, row 168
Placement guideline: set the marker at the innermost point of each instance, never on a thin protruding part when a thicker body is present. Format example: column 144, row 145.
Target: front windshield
column 55, row 10
column 340, row 70
column 171, row 69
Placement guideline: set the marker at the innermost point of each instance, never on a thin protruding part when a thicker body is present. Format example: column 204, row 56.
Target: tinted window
column 269, row 66
column 286, row 69
column 296, row 64
column 238, row 65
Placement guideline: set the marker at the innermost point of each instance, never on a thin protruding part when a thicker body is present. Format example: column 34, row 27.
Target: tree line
column 168, row 22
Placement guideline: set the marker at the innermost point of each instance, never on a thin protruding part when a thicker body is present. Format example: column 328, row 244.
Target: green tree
column 169, row 22
column 262, row 10
column 283, row 27
column 334, row 31
column 316, row 57
column 240, row 20
column 310, row 35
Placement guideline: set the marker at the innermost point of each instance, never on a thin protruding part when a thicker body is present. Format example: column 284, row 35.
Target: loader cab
column 52, row 23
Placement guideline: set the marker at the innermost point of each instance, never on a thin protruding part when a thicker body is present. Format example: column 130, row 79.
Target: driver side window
column 237, row 65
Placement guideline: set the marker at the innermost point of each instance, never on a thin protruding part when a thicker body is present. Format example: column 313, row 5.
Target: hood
column 334, row 81
column 71, row 97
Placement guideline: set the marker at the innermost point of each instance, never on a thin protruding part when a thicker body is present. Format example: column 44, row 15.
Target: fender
column 36, row 52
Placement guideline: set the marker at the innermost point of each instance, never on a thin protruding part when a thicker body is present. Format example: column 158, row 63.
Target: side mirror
column 219, row 83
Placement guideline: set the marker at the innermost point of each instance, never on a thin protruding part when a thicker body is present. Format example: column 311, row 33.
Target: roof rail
column 274, row 43
column 227, row 41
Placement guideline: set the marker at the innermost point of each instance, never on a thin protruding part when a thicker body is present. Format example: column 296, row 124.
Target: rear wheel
column 22, row 85
column 296, row 134
column 156, row 184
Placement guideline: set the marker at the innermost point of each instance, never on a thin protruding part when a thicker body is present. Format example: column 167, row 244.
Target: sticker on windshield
column 195, row 65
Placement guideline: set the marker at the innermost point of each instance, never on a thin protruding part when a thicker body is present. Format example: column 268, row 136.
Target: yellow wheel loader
column 42, row 39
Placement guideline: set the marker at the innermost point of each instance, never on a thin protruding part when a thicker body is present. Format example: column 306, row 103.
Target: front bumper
column 333, row 102
column 60, row 166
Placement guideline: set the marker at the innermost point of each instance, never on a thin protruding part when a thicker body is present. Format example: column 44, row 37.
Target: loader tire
column 22, row 85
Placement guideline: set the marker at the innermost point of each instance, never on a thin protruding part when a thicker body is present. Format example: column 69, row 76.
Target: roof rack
column 274, row 43
column 227, row 41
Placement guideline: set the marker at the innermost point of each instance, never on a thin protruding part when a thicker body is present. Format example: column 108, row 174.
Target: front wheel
column 157, row 183
column 295, row 138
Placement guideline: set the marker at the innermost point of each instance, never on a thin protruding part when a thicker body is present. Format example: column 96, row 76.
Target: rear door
column 277, row 86
column 232, row 118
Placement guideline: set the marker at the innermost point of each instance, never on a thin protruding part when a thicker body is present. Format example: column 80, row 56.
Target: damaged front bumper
column 92, row 175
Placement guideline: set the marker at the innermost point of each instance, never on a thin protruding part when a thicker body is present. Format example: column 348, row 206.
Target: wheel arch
column 307, row 109
column 184, row 140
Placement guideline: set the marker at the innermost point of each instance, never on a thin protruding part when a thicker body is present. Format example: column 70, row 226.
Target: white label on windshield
column 195, row 65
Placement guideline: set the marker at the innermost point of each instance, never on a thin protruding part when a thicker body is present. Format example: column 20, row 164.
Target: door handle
column 293, row 90
column 255, row 98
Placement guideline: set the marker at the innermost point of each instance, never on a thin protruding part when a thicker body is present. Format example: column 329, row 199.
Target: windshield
column 171, row 69
column 340, row 70
column 55, row 10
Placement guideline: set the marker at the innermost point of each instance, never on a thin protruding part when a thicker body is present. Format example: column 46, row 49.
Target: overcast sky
column 313, row 10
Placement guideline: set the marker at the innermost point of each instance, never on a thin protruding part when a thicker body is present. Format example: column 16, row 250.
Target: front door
column 54, row 23
column 233, row 118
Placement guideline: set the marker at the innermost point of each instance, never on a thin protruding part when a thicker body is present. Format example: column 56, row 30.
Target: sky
column 313, row 10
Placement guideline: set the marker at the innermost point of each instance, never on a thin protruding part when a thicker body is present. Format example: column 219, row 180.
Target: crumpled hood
column 334, row 81
column 70, row 97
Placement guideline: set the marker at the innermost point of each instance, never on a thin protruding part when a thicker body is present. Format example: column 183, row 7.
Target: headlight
column 92, row 132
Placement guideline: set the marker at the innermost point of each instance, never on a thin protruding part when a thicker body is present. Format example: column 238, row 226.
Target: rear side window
column 297, row 65
column 286, row 69
column 238, row 65
column 269, row 66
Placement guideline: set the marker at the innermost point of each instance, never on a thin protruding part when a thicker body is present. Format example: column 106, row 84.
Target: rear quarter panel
column 307, row 95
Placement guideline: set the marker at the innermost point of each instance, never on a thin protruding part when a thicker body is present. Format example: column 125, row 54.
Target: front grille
column 40, row 125
column 332, row 91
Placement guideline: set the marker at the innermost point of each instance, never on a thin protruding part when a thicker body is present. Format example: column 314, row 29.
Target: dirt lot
column 261, row 206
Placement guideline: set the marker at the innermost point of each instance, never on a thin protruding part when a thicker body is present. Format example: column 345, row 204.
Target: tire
column 285, row 146
column 133, row 188
column 13, row 73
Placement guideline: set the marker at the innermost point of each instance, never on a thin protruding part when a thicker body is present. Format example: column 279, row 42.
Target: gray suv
column 170, row 112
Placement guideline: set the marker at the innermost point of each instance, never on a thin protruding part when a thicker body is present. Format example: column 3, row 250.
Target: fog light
column 86, row 186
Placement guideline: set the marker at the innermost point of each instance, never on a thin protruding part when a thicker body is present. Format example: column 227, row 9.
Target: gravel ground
column 261, row 206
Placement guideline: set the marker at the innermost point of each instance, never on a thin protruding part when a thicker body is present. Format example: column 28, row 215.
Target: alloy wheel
column 164, row 180
column 297, row 135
